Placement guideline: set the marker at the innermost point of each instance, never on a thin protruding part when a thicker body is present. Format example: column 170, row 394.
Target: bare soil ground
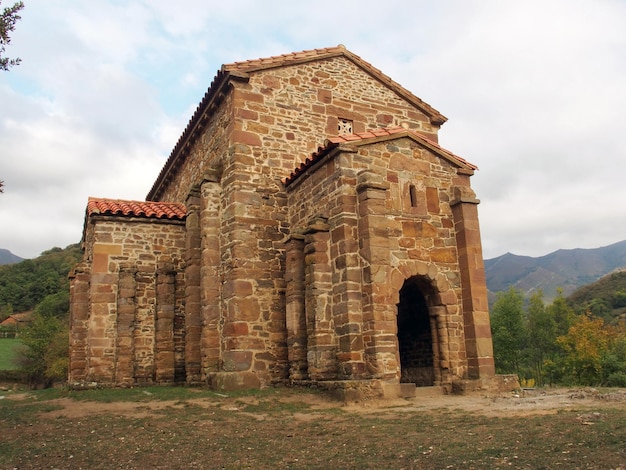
column 287, row 428
column 517, row 404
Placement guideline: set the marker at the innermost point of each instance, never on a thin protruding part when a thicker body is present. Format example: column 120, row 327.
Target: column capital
column 463, row 194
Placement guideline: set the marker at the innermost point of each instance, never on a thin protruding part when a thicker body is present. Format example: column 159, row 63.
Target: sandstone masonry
column 307, row 227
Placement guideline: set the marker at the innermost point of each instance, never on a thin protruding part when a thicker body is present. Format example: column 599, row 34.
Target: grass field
column 183, row 428
column 8, row 347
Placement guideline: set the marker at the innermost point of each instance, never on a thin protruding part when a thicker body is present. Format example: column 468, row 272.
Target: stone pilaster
column 379, row 313
column 478, row 343
column 193, row 297
column 164, row 323
column 346, row 294
column 210, row 226
column 322, row 346
column 295, row 312
column 126, row 311
column 79, row 321
column 102, row 330
column 143, row 333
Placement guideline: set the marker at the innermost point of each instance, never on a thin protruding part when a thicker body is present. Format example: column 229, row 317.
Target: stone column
column 347, row 296
column 143, row 332
column 102, row 329
column 193, row 298
column 126, row 311
column 79, row 319
column 295, row 313
column 479, row 347
column 164, row 323
column 211, row 292
column 379, row 312
column 441, row 343
column 322, row 346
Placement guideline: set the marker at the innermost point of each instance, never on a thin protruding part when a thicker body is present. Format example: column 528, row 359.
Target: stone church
column 307, row 228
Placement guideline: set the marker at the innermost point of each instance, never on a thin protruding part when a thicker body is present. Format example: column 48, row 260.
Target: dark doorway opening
column 415, row 338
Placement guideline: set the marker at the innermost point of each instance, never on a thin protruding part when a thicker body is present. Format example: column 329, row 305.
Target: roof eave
column 338, row 144
column 213, row 96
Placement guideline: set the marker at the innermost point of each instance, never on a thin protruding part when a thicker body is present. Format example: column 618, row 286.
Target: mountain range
column 562, row 269
column 6, row 257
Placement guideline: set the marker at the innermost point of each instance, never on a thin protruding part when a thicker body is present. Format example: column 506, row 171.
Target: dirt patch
column 526, row 403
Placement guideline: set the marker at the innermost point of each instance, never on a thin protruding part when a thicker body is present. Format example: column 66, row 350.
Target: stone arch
column 415, row 333
column 421, row 294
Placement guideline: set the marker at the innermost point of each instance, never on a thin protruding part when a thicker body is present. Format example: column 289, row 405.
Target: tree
column 8, row 18
column 614, row 361
column 541, row 336
column 44, row 356
column 563, row 315
column 508, row 331
column 586, row 343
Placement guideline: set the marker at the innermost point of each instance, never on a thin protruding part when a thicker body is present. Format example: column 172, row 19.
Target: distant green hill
column 25, row 284
column 605, row 298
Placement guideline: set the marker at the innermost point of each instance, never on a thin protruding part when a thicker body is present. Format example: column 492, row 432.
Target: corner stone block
column 228, row 381
column 236, row 360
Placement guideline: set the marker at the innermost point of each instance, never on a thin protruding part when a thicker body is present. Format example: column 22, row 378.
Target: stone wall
column 205, row 154
column 263, row 128
column 385, row 209
column 260, row 284
column 127, row 303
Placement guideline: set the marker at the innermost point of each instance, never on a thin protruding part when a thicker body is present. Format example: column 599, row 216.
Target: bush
column 617, row 379
column 44, row 357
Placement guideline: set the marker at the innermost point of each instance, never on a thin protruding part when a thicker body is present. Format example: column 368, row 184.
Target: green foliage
column 24, row 285
column 614, row 359
column 8, row 18
column 541, row 347
column 508, row 331
column 54, row 305
column 605, row 298
column 553, row 345
column 44, row 357
column 8, row 353
column 585, row 344
column 41, row 285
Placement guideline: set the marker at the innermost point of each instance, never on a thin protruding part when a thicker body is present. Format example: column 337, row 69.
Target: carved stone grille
column 344, row 127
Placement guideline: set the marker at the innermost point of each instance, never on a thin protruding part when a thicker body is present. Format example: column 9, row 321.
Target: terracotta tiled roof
column 149, row 210
column 240, row 71
column 17, row 318
column 284, row 59
column 363, row 138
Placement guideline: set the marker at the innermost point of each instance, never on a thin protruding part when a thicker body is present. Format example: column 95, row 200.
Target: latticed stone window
column 344, row 127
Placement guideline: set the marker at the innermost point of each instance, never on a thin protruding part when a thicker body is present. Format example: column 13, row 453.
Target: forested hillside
column 605, row 298
column 41, row 285
column 24, row 285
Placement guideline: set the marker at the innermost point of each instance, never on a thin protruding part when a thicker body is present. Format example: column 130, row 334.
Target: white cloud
column 534, row 92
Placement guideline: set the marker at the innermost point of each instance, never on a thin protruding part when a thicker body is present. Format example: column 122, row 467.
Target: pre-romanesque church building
column 306, row 228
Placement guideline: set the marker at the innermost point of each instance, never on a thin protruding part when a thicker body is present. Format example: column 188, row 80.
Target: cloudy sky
column 534, row 90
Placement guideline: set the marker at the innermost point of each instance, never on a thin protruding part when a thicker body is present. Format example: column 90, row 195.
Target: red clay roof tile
column 149, row 210
column 391, row 132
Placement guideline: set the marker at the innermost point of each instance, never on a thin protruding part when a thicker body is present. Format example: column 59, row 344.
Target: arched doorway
column 415, row 338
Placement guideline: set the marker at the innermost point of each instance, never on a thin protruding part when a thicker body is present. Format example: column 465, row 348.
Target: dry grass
column 180, row 428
